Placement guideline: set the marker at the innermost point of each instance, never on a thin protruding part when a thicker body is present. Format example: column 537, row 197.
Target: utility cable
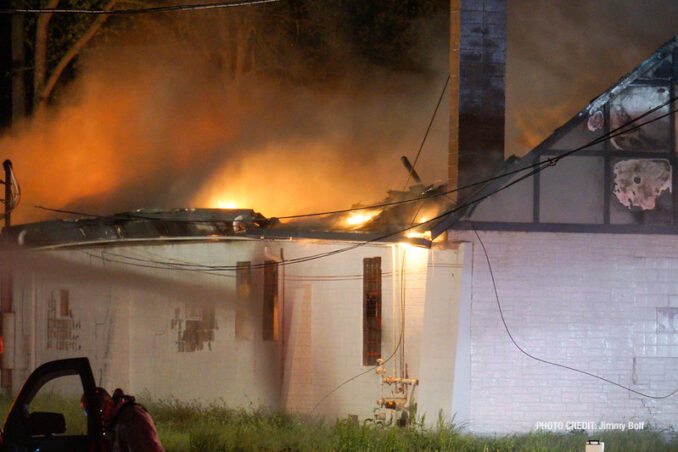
column 545, row 361
column 69, row 212
column 157, row 9
column 428, row 129
column 172, row 266
column 548, row 162
column 457, row 208
column 620, row 130
column 370, row 369
column 535, row 168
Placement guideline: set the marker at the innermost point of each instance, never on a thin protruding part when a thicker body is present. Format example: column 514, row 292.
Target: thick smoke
column 150, row 122
column 153, row 121
column 563, row 54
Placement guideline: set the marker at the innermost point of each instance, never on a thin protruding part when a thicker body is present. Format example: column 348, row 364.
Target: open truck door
column 29, row 427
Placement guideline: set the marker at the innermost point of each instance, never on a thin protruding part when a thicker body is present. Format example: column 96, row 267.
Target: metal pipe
column 410, row 169
column 7, row 318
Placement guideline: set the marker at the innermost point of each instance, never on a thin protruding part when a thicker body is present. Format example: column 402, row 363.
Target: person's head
column 104, row 403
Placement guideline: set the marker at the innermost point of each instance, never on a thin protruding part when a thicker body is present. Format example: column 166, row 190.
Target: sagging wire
column 202, row 267
column 535, row 168
column 428, row 129
column 545, row 361
column 548, row 162
column 157, row 9
column 375, row 239
column 371, row 368
column 149, row 262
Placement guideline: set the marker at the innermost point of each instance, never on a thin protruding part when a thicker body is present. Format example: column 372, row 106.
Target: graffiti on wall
column 195, row 325
column 62, row 328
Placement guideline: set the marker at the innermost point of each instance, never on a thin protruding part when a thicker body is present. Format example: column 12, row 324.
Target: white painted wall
column 332, row 293
column 124, row 312
column 445, row 344
column 123, row 320
column 603, row 303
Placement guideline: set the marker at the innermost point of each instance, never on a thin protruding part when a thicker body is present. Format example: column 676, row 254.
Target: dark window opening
column 371, row 310
column 270, row 312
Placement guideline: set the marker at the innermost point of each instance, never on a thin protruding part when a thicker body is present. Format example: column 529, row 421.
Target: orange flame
column 359, row 218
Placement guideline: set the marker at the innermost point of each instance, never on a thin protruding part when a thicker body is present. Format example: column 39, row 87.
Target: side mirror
column 41, row 423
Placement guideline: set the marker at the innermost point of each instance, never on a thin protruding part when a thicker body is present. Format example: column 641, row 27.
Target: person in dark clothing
column 128, row 426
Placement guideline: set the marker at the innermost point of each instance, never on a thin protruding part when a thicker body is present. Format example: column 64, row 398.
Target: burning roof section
column 611, row 168
column 401, row 213
column 398, row 217
column 137, row 225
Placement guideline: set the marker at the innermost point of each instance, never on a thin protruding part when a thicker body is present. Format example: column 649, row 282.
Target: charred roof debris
column 416, row 205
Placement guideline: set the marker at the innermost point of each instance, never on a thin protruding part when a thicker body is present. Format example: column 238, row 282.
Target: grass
column 191, row 427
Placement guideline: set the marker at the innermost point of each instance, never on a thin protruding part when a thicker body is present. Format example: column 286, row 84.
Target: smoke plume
column 151, row 122
column 560, row 55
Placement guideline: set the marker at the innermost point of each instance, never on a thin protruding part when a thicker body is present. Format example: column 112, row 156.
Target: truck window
column 62, row 395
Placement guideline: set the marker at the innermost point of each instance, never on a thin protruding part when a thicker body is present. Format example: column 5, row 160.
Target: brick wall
column 603, row 303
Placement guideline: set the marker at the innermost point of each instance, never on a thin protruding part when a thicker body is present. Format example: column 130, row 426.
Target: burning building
column 226, row 304
column 549, row 297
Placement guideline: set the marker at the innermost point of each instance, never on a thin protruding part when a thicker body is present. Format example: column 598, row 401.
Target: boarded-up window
column 371, row 310
column 270, row 311
column 63, row 303
column 243, row 284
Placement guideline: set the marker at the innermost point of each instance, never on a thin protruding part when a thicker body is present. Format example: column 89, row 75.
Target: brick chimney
column 477, row 85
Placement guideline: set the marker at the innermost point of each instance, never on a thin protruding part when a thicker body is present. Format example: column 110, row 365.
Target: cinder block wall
column 477, row 98
column 603, row 303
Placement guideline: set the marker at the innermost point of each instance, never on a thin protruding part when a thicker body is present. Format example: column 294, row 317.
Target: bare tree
column 46, row 76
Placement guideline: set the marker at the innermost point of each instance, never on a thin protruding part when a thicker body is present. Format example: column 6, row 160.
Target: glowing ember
column 419, row 235
column 360, row 218
column 227, row 204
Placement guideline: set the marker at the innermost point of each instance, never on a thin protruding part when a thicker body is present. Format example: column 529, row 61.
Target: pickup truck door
column 26, row 431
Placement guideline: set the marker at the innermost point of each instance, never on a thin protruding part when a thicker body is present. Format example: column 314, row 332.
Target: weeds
column 192, row 427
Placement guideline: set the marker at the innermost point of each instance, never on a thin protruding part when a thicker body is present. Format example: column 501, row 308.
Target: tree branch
column 73, row 52
column 40, row 57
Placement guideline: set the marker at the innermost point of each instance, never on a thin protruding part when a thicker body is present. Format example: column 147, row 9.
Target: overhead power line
column 622, row 129
column 535, row 168
column 428, row 130
column 157, row 9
